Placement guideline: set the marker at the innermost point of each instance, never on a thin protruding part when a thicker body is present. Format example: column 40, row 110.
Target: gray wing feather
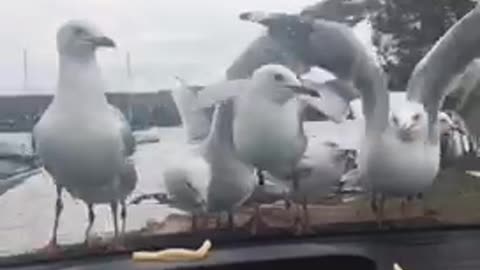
column 264, row 50
column 335, row 98
column 335, row 48
column 126, row 131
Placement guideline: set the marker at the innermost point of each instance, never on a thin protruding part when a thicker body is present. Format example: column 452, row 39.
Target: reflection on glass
column 330, row 116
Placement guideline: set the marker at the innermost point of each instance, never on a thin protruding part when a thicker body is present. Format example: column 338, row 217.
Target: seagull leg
column 52, row 247
column 123, row 216
column 256, row 223
column 425, row 209
column 405, row 203
column 381, row 210
column 231, row 220
column 307, row 228
column 373, row 203
column 219, row 221
column 194, row 223
column 116, row 245
column 376, row 209
column 114, row 209
column 91, row 220
column 261, row 177
column 288, row 204
column 296, row 182
column 297, row 225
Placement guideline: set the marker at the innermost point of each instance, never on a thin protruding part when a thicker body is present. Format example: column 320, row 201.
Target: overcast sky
column 195, row 39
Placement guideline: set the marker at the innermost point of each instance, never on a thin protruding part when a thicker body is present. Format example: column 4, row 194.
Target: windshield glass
column 124, row 120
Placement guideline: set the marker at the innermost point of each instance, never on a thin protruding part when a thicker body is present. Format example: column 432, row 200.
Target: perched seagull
column 455, row 138
column 267, row 124
column 187, row 179
column 401, row 151
column 233, row 181
column 208, row 178
column 321, row 169
column 84, row 142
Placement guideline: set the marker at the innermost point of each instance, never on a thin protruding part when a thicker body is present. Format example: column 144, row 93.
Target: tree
column 405, row 30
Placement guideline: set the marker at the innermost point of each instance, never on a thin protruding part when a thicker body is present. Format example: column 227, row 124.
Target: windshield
column 122, row 120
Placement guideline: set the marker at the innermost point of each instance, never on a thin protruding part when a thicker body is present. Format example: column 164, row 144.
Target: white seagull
column 267, row 123
column 84, row 142
column 208, row 178
column 400, row 155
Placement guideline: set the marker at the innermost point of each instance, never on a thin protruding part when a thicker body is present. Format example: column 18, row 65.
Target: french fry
column 174, row 254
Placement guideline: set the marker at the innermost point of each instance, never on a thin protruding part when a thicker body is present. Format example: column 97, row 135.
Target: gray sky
column 194, row 39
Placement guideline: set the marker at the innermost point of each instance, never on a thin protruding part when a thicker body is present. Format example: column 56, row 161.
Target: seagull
column 187, row 179
column 84, row 143
column 455, row 138
column 320, row 171
column 401, row 150
column 208, row 178
column 233, row 180
column 268, row 128
column 262, row 51
column 267, row 124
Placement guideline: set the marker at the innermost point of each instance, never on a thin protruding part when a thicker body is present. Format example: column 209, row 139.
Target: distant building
column 20, row 113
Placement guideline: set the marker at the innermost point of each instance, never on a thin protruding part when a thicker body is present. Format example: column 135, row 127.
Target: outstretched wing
column 434, row 75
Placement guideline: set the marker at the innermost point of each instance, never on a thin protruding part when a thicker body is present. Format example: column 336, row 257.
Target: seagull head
column 80, row 38
column 410, row 122
column 279, row 83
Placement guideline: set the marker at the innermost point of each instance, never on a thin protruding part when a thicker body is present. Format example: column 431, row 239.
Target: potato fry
column 174, row 254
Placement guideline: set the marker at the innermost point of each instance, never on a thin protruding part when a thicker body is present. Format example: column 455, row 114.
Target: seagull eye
column 78, row 31
column 189, row 185
column 278, row 77
column 331, row 144
column 395, row 120
column 416, row 117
